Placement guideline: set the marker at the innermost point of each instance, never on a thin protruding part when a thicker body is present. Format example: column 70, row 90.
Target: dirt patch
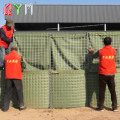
column 82, row 113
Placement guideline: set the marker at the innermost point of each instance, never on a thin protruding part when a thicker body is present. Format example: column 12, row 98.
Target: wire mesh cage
column 60, row 72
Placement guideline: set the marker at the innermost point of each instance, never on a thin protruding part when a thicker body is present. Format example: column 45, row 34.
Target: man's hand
column 90, row 50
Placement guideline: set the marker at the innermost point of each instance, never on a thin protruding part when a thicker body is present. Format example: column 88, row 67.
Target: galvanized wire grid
column 68, row 51
column 36, row 89
column 35, row 49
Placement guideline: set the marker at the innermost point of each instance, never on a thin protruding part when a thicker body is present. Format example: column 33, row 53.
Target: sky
column 55, row 2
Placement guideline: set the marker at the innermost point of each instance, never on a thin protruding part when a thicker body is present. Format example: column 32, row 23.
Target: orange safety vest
column 8, row 33
column 13, row 69
column 107, row 60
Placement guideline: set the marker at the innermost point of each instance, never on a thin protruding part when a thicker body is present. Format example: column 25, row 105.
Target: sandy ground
column 82, row 113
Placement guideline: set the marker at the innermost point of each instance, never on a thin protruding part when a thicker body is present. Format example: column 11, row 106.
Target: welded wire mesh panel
column 36, row 89
column 34, row 48
column 68, row 89
column 96, row 42
column 68, row 51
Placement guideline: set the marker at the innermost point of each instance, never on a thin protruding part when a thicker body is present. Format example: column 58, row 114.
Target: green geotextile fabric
column 66, row 51
column 34, row 48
